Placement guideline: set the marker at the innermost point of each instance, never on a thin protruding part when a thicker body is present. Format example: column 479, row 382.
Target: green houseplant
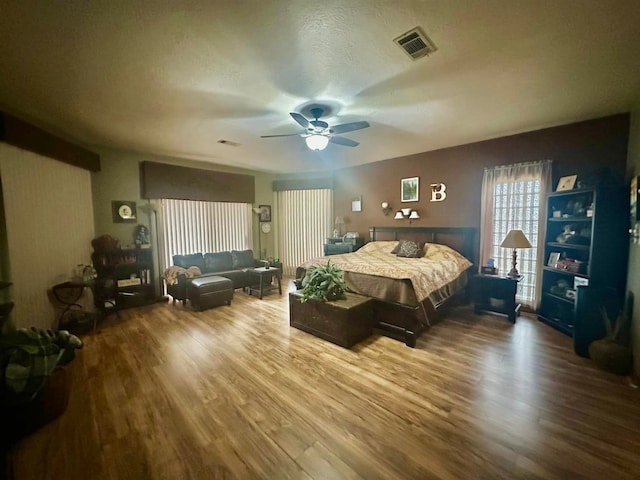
column 613, row 353
column 323, row 283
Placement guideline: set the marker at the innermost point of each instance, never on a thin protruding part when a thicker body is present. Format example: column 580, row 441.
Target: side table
column 493, row 293
column 264, row 277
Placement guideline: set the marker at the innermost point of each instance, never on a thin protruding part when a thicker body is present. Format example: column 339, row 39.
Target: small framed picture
column 554, row 257
column 356, row 204
column 410, row 188
column 123, row 211
column 566, row 183
column 265, row 213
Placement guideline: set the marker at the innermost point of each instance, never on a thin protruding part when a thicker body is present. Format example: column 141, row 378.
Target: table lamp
column 515, row 239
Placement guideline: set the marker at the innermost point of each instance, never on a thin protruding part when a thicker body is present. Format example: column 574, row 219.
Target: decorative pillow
column 242, row 259
column 186, row 261
column 410, row 249
column 217, row 262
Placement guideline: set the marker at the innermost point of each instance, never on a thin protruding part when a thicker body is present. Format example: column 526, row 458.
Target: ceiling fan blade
column 347, row 142
column 348, row 127
column 283, row 135
column 300, row 119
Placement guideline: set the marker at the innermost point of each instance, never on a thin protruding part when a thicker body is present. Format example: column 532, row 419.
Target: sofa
column 235, row 265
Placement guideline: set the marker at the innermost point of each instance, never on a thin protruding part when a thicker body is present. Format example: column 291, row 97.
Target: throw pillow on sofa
column 217, row 262
column 242, row 259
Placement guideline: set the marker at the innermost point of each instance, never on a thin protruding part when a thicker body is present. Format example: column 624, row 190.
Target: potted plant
column 612, row 353
column 323, row 283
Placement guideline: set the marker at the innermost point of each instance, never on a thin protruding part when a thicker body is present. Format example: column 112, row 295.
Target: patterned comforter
column 435, row 276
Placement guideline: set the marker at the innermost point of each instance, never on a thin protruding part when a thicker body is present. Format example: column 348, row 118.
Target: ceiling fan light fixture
column 317, row 142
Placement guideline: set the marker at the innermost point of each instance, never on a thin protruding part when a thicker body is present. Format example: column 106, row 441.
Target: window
column 305, row 220
column 192, row 227
column 512, row 199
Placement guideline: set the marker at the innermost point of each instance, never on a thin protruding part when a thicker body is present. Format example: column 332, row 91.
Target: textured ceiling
column 174, row 80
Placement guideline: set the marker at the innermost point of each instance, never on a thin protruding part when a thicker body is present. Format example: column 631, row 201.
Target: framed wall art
column 410, row 189
column 566, row 183
column 356, row 204
column 265, row 213
column 123, row 211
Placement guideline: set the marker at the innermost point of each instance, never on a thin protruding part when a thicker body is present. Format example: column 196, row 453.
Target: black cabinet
column 586, row 243
column 492, row 293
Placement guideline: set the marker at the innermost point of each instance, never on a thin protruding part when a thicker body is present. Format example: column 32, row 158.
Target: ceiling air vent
column 415, row 43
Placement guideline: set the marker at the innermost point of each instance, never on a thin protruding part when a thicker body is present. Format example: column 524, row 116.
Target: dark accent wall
column 587, row 148
column 23, row 135
column 161, row 180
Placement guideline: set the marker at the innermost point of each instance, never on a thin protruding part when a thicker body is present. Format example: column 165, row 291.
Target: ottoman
column 210, row 291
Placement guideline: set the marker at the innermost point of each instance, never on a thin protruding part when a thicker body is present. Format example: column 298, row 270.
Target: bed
column 408, row 293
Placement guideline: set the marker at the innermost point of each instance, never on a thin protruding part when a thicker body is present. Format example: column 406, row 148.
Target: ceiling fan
column 318, row 134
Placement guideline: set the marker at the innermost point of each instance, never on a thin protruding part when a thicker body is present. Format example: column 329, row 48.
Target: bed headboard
column 462, row 239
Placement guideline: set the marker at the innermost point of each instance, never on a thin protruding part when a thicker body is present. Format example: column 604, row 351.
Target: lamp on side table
column 515, row 239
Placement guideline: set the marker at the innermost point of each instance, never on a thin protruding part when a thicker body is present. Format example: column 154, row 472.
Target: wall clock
column 124, row 211
column 265, row 227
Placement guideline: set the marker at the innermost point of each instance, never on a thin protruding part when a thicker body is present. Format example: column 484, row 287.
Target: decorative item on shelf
column 589, row 212
column 570, row 294
column 571, row 265
column 105, row 243
column 409, row 213
column 515, row 239
column 566, row 233
column 386, row 208
column 566, row 183
column 560, row 288
column 141, row 235
column 554, row 257
column 556, row 213
column 409, row 189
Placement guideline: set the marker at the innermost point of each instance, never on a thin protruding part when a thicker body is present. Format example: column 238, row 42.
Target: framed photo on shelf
column 566, row 183
column 265, row 213
column 410, row 189
column 554, row 257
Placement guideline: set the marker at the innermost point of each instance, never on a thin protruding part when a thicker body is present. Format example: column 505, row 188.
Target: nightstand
column 492, row 293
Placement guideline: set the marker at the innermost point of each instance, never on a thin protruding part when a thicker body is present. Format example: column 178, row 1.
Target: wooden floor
column 235, row 393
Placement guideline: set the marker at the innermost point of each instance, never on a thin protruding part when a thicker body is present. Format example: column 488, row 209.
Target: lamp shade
column 414, row 215
column 398, row 216
column 515, row 239
column 406, row 211
column 339, row 221
column 317, row 142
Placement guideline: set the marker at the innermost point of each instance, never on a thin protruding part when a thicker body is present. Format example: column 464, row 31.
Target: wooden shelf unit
column 122, row 264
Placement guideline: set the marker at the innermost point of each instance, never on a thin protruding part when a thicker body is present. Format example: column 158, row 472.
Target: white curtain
column 305, row 220
column 190, row 227
column 49, row 224
column 513, row 199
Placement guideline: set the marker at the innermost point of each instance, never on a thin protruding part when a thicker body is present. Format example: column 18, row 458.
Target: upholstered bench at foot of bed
column 209, row 291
